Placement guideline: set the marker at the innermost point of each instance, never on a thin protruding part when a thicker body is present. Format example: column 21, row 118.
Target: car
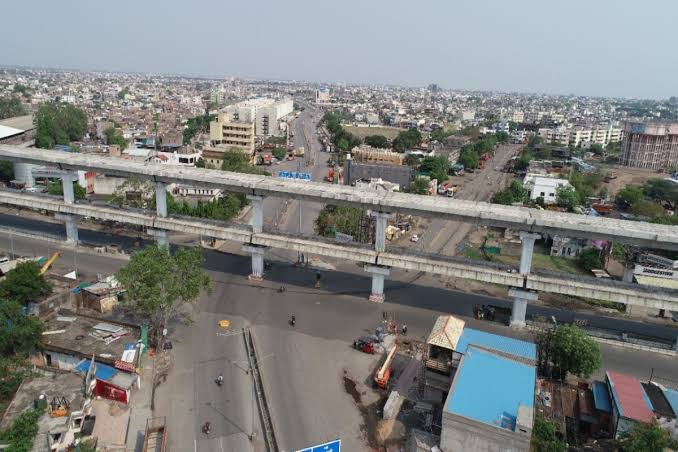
column 414, row 238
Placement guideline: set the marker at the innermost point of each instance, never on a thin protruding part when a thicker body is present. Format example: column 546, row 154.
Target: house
column 630, row 404
column 442, row 343
column 539, row 186
column 101, row 296
column 490, row 405
column 109, row 382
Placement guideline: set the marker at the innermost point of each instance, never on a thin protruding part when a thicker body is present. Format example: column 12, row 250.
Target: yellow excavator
column 49, row 263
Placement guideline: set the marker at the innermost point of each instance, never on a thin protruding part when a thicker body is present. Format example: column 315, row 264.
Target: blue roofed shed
column 672, row 397
column 504, row 345
column 601, row 397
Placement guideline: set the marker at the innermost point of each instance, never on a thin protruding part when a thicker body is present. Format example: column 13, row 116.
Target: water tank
column 23, row 173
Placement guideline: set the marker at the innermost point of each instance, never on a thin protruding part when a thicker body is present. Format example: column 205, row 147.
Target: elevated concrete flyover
column 517, row 218
column 632, row 294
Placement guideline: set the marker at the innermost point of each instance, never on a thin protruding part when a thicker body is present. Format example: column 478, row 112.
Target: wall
column 61, row 360
column 461, row 434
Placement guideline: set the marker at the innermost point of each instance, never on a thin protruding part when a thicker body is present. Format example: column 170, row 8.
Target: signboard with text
column 294, row 175
column 332, row 446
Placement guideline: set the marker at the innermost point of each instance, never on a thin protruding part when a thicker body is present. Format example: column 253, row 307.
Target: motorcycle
column 219, row 380
column 206, row 428
column 293, row 321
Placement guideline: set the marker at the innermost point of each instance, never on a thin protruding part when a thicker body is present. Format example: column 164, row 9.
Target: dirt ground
column 362, row 132
column 628, row 176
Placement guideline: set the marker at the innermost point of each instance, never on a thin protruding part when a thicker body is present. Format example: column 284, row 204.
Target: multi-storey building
column 264, row 113
column 230, row 134
column 651, row 145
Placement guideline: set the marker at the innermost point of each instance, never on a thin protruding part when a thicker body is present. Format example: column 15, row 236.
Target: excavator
column 49, row 263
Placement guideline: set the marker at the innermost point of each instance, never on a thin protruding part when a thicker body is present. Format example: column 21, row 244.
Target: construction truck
column 383, row 374
column 49, row 263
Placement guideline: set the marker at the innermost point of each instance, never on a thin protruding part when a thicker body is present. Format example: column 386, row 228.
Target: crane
column 383, row 374
column 49, row 263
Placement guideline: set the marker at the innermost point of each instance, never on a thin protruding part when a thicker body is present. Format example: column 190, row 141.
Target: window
column 77, row 422
column 542, row 194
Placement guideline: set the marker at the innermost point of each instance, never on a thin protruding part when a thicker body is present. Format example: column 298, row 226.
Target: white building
column 545, row 187
column 263, row 112
column 466, row 115
column 322, row 95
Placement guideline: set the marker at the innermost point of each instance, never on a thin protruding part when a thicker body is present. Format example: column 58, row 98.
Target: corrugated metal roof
column 446, row 332
column 601, row 397
column 508, row 345
column 6, row 131
column 672, row 397
column 629, row 397
column 489, row 388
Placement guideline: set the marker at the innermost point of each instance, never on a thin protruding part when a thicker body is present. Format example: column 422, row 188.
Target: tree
column 596, row 148
column 279, row 153
column 648, row 209
column 515, row 193
column 545, row 437
column 11, row 106
column 468, row 158
column 406, row 139
column 58, row 124
column 6, row 171
column 334, row 219
column 135, row 193
column 20, row 334
column 114, row 137
column 419, row 186
column 197, row 124
column 24, row 283
column 57, row 188
column 377, row 141
column 662, row 190
column 200, row 163
column 502, row 197
column 502, row 137
column 628, row 196
column 647, row 437
column 158, row 283
column 589, row 259
column 566, row 197
column 437, row 167
column 572, row 351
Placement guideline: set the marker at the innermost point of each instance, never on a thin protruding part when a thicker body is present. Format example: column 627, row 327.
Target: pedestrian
column 404, row 330
column 317, row 280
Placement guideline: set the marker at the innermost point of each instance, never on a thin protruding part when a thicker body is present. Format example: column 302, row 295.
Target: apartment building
column 263, row 112
column 580, row 136
column 651, row 145
column 226, row 133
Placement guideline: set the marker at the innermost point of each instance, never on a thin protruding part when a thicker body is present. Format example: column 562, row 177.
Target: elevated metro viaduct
column 531, row 223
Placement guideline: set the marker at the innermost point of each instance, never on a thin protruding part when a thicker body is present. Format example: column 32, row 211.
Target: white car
column 414, row 238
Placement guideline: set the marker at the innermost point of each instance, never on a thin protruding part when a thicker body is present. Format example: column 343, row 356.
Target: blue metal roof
column 672, row 396
column 489, row 388
column 601, row 397
column 503, row 344
column 102, row 371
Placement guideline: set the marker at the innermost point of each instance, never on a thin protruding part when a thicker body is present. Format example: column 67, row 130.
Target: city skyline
column 575, row 49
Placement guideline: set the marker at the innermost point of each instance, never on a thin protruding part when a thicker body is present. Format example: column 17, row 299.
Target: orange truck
column 383, row 374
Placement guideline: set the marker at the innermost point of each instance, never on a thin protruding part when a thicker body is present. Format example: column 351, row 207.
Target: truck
column 383, row 374
column 155, row 436
column 300, row 151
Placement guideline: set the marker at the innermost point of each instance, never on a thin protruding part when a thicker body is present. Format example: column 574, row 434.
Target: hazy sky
column 588, row 47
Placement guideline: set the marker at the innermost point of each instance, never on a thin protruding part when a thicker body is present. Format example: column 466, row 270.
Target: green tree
column 628, row 196
column 135, row 193
column 406, row 140
column 440, row 134
column 200, row 163
column 279, row 153
column 158, row 284
column 567, row 197
column 20, row 334
column 502, row 197
column 338, row 219
column 437, row 167
column 58, row 124
column 589, row 259
column 419, row 186
column 662, row 190
column 6, row 171
column 513, row 194
column 114, row 136
column 572, row 351
column 647, row 437
column 545, row 437
column 468, row 158
column 10, row 107
column 197, row 124
column 24, row 283
column 377, row 141
column 597, row 149
column 648, row 209
column 502, row 137
column 57, row 188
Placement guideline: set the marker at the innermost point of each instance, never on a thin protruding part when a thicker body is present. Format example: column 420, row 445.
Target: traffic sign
column 295, row 175
column 332, row 446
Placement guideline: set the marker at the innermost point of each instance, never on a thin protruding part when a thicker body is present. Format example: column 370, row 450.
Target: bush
column 57, row 188
column 589, row 259
column 545, row 437
column 21, row 433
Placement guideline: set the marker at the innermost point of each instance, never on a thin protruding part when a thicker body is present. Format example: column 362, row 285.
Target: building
column 466, row 115
column 567, row 246
column 368, row 154
column 322, row 95
column 396, row 174
column 652, row 145
column 17, row 130
column 227, row 134
column 265, row 113
column 490, row 406
column 544, row 187
column 630, row 404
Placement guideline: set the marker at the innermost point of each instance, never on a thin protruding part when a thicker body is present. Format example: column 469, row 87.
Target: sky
column 616, row 48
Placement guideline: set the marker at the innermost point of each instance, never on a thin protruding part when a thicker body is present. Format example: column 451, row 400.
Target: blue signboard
column 332, row 446
column 294, row 175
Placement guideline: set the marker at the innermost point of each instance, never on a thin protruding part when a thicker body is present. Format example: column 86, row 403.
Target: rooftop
column 22, row 123
column 629, row 397
column 6, row 132
column 658, row 401
column 88, row 335
column 446, row 332
column 502, row 344
column 672, row 397
column 601, row 397
column 489, row 388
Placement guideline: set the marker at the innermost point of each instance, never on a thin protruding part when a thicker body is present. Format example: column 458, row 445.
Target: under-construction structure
column 368, row 154
column 651, row 145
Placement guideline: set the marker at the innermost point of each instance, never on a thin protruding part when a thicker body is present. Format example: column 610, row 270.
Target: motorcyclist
column 220, row 379
column 293, row 320
column 404, row 329
column 206, row 428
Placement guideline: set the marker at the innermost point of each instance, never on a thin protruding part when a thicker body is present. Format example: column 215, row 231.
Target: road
column 443, row 236
column 303, row 367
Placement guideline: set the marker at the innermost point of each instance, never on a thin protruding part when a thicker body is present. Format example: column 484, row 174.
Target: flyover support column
column 160, row 235
column 257, row 252
column 380, row 230
column 379, row 273
column 521, row 296
column 67, row 180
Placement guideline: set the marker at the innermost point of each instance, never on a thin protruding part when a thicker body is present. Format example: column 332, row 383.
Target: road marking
column 195, row 445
